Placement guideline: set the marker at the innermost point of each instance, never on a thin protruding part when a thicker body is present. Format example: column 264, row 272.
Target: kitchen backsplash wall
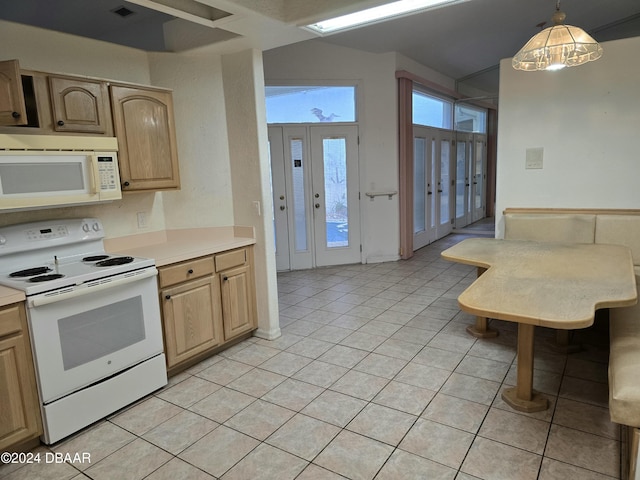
column 119, row 218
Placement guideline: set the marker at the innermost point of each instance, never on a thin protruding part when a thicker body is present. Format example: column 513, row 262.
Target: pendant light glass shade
column 557, row 47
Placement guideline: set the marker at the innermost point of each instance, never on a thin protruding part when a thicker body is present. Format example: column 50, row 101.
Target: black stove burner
column 94, row 258
column 46, row 278
column 114, row 261
column 30, row 272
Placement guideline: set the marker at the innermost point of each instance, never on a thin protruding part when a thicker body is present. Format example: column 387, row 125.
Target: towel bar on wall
column 372, row 195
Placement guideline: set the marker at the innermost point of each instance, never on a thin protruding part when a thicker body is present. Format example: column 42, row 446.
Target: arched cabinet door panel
column 80, row 105
column 144, row 124
column 12, row 106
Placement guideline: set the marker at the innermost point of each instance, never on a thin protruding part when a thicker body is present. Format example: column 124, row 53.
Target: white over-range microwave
column 43, row 171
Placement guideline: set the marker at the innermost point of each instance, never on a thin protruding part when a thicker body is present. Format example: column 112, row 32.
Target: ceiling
column 464, row 40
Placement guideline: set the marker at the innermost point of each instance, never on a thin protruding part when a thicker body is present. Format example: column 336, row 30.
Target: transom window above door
column 311, row 104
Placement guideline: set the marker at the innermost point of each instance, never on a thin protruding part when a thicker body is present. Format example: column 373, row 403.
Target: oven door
column 84, row 334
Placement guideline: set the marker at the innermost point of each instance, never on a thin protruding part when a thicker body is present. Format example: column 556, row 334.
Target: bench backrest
column 622, row 230
column 611, row 226
column 550, row 227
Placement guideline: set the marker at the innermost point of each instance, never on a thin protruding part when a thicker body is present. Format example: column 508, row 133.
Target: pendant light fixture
column 557, row 47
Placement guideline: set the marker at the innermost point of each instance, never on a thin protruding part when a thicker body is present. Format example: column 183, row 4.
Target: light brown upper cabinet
column 143, row 122
column 79, row 105
column 12, row 105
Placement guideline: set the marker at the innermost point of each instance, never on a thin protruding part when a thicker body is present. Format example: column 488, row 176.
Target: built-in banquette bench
column 610, row 227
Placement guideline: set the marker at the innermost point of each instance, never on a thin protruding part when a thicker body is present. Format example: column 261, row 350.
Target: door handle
column 429, row 193
column 439, row 191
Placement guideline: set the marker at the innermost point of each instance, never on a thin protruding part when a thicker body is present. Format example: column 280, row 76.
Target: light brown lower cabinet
column 206, row 303
column 20, row 419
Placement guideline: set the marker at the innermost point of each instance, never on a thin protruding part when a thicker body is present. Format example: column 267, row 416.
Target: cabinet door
column 12, row 106
column 238, row 301
column 80, row 105
column 192, row 319
column 19, row 414
column 144, row 125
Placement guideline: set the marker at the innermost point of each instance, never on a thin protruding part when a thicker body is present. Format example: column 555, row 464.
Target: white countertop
column 172, row 246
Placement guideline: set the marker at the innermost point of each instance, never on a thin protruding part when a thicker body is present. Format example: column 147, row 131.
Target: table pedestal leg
column 561, row 343
column 481, row 328
column 522, row 397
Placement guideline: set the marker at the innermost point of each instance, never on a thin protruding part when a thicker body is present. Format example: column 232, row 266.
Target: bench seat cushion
column 624, row 365
column 550, row 227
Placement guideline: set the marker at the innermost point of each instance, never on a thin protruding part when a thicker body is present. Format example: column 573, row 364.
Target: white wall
column 201, row 132
column 586, row 119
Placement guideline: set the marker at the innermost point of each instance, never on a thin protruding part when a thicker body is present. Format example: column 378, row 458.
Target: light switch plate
column 534, row 158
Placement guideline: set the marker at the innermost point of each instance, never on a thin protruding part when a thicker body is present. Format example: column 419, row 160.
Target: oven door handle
column 93, row 287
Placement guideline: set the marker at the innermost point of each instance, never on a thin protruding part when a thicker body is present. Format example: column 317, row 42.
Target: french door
column 470, row 178
column 314, row 177
column 432, row 184
column 479, row 177
column 464, row 166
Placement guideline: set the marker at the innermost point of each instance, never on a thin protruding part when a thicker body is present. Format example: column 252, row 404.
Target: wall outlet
column 142, row 220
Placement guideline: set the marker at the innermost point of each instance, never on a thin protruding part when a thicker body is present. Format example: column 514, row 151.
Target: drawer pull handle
column 15, row 114
column 190, row 271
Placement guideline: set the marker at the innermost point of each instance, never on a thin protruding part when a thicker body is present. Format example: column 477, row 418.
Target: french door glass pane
column 445, row 151
column 419, row 185
column 478, row 173
column 334, row 153
column 299, row 206
column 432, row 216
column 461, row 177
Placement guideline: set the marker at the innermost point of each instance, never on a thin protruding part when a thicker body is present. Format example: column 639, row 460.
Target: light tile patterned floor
column 373, row 377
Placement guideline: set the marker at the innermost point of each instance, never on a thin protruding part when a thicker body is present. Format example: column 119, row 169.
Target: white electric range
column 94, row 320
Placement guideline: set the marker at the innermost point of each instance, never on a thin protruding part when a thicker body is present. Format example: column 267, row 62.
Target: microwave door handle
column 94, row 174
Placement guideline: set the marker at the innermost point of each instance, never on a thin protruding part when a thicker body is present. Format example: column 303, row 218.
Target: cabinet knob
column 225, row 278
column 167, row 297
column 60, row 123
column 190, row 271
column 126, row 184
column 15, row 114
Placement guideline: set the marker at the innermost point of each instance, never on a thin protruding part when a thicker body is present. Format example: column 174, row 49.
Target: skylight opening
column 376, row 14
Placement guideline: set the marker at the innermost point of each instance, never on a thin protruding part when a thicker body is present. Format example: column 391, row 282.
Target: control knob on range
column 86, row 227
column 96, row 227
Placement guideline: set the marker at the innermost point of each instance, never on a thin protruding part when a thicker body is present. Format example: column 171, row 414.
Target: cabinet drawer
column 185, row 271
column 10, row 320
column 230, row 259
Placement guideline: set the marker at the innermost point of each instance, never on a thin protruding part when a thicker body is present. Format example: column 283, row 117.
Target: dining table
column 554, row 285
